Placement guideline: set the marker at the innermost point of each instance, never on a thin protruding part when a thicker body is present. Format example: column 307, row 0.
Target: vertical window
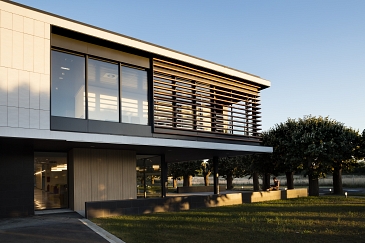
column 134, row 96
column 103, row 81
column 68, row 85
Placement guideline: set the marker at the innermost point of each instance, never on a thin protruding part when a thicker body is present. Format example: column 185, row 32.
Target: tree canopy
column 317, row 145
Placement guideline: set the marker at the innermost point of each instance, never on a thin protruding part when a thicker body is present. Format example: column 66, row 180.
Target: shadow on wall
column 157, row 205
column 178, row 203
column 24, row 100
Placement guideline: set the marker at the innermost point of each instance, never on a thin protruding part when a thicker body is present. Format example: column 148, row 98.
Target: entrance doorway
column 50, row 180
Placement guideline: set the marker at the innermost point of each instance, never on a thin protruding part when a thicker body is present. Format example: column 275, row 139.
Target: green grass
column 312, row 219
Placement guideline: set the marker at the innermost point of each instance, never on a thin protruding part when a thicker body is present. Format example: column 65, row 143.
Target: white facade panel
column 34, row 118
column 3, row 86
column 18, row 23
column 47, row 56
column 3, row 116
column 13, row 116
column 28, row 26
column 38, row 57
column 23, row 117
column 28, row 59
column 24, row 89
column 6, row 20
column 47, row 31
column 18, row 54
column 6, row 42
column 13, row 86
column 44, row 122
column 34, row 90
column 44, row 100
column 39, row 28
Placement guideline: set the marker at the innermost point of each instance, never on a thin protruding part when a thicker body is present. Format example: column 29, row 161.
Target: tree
column 230, row 168
column 174, row 170
column 206, row 171
column 344, row 154
column 251, row 165
column 185, row 169
column 280, row 138
column 317, row 145
column 361, row 151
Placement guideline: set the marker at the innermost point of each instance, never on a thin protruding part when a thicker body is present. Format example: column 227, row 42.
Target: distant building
column 87, row 114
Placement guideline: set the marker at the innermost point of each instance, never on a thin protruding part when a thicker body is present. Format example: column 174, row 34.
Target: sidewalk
column 55, row 228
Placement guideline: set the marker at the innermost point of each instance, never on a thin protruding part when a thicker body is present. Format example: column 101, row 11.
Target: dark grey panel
column 16, row 179
column 101, row 127
column 68, row 124
column 136, row 130
column 105, row 127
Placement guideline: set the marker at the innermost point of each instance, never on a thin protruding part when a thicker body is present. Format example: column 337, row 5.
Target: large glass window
column 134, row 96
column 103, row 81
column 114, row 92
column 68, row 85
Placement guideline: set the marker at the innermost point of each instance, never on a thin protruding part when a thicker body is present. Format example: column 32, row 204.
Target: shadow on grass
column 302, row 220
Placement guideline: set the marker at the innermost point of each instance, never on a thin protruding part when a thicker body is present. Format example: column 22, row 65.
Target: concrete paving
column 56, row 228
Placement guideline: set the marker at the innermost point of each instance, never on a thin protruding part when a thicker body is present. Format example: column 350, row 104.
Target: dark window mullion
column 86, row 88
column 120, row 92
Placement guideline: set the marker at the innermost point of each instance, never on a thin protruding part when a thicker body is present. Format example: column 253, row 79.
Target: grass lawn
column 312, row 219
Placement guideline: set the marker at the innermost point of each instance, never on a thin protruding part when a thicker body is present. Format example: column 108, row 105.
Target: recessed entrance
column 50, row 180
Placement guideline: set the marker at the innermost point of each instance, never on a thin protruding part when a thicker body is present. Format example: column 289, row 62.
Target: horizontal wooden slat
column 189, row 99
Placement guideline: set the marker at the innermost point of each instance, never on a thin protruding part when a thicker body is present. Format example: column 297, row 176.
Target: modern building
column 87, row 114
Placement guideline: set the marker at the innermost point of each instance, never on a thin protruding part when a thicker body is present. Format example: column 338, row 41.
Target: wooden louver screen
column 191, row 99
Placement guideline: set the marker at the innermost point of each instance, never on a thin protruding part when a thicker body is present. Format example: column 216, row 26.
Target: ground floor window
column 148, row 176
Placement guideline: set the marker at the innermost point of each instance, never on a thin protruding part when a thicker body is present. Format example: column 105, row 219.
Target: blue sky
column 312, row 51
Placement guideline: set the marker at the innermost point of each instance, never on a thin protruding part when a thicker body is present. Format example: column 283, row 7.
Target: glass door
column 50, row 180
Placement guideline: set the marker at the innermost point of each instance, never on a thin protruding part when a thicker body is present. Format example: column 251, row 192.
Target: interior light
column 39, row 172
column 110, row 75
column 155, row 167
column 65, row 68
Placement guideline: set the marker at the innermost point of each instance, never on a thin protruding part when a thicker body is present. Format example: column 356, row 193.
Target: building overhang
column 173, row 149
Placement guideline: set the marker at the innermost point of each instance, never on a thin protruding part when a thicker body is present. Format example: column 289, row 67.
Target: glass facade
column 103, row 91
column 115, row 93
column 134, row 96
column 68, row 85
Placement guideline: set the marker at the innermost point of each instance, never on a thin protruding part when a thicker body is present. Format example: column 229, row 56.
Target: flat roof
column 84, row 28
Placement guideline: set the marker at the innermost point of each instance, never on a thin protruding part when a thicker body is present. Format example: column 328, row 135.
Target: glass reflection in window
column 103, row 91
column 68, row 84
column 134, row 96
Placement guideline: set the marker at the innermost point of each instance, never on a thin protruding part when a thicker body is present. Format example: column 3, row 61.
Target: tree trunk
column 337, row 181
column 313, row 185
column 256, row 184
column 229, row 182
column 206, row 179
column 187, row 180
column 266, row 181
column 289, row 180
column 174, row 182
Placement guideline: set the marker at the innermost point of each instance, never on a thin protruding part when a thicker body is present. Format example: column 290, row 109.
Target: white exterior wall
column 24, row 70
